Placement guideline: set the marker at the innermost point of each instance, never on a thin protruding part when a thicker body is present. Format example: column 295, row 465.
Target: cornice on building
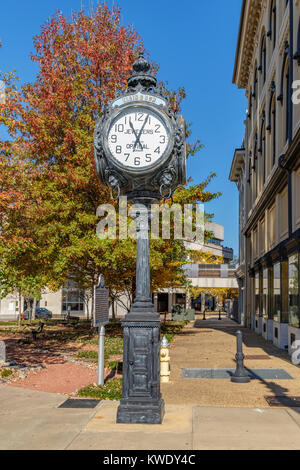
column 237, row 165
column 250, row 15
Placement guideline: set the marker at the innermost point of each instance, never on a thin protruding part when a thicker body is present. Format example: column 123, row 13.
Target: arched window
column 272, row 122
column 250, row 202
column 262, row 148
column 285, row 94
column 272, row 23
column 297, row 53
column 255, row 168
column 287, row 101
column 254, row 93
column 263, row 59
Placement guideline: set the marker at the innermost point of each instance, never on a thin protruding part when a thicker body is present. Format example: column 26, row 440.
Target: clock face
column 138, row 138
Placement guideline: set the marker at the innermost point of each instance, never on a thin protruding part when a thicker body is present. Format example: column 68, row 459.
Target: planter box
column 267, row 329
column 280, row 335
column 258, row 324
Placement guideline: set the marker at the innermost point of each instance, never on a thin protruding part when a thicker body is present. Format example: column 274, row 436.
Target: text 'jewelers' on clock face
column 138, row 138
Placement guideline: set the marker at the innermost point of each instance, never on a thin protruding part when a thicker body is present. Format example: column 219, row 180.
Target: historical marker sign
column 101, row 303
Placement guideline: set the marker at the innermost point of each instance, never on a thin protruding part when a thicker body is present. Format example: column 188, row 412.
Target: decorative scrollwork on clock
column 139, row 141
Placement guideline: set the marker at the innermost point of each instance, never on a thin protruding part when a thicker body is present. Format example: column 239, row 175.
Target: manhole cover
column 79, row 403
column 260, row 374
column 292, row 402
column 257, row 357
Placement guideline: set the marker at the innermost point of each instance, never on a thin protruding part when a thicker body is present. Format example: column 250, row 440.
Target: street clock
column 140, row 141
column 140, row 153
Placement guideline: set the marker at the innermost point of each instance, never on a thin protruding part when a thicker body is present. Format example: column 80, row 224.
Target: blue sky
column 194, row 43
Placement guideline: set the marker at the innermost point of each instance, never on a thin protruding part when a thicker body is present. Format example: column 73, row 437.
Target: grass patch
column 6, row 373
column 112, row 345
column 169, row 336
column 113, row 365
column 88, row 355
column 111, row 390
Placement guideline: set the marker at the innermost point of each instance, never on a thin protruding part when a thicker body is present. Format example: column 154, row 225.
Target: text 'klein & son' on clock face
column 138, row 138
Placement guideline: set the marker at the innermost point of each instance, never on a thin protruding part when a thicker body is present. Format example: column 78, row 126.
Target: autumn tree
column 49, row 189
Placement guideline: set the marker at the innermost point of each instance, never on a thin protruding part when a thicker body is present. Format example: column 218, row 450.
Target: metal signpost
column 140, row 153
column 101, row 318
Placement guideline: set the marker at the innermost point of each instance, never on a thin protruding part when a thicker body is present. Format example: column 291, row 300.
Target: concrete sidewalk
column 32, row 420
column 200, row 413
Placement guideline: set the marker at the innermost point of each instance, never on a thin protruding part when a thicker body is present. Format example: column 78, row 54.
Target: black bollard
column 204, row 315
column 220, row 315
column 240, row 375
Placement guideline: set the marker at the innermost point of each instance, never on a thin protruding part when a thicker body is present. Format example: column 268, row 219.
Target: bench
column 69, row 319
column 37, row 331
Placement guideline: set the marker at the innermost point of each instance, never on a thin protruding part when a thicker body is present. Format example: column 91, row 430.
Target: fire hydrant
column 164, row 361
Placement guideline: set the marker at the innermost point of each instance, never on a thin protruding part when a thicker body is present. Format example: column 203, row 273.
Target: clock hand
column 131, row 125
column 140, row 133
column 136, row 136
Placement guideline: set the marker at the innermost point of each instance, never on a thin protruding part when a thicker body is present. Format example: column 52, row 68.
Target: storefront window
column 294, row 291
column 276, row 292
column 265, row 293
column 257, row 294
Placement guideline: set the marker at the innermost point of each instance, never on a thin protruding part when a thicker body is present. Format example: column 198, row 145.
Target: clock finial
column 141, row 79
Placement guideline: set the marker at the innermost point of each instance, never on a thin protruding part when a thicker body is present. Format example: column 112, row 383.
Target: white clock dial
column 138, row 138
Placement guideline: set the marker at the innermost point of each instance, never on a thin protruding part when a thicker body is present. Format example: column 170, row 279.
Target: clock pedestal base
column 141, row 402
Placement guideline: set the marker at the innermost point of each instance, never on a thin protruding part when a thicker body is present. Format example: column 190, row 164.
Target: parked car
column 39, row 313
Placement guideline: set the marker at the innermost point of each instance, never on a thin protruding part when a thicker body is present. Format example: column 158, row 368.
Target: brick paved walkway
column 212, row 344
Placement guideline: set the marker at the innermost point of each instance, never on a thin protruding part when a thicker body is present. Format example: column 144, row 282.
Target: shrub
column 111, row 390
column 6, row 373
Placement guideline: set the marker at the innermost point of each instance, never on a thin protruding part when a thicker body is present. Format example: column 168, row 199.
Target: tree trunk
column 33, row 308
column 113, row 309
column 92, row 311
column 20, row 309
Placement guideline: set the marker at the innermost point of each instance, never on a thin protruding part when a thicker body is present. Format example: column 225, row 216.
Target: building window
column 272, row 23
column 262, row 149
column 287, row 102
column 254, row 93
column 249, row 199
column 297, row 53
column 263, row 59
column 276, row 292
column 214, row 241
column 255, row 168
column 294, row 314
column 72, row 298
column 273, row 105
column 285, row 96
column 272, row 122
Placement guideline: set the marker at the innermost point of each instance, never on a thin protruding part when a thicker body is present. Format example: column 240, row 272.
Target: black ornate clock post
column 141, row 401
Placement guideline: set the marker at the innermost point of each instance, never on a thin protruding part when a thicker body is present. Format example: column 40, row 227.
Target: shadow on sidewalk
column 253, row 340
column 250, row 338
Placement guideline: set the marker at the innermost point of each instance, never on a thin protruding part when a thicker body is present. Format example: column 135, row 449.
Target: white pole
column 101, row 355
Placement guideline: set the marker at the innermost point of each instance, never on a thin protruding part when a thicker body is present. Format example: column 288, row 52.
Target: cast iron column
column 141, row 401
